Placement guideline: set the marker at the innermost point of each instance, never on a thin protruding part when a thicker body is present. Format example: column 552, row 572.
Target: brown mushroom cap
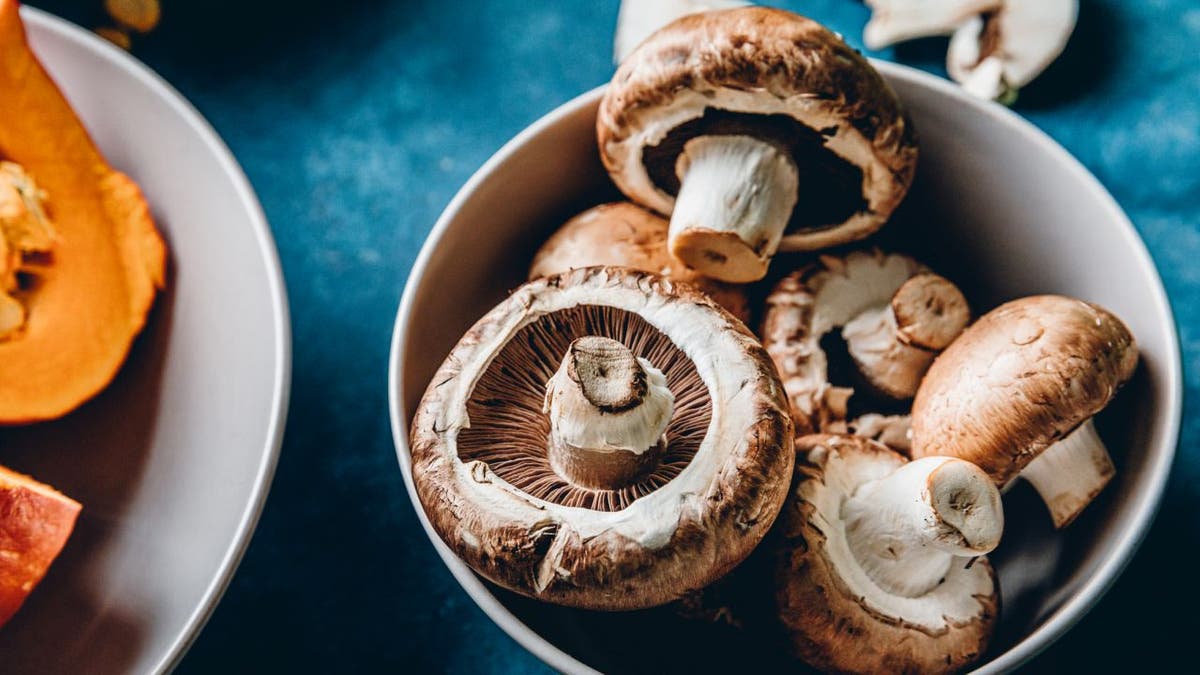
column 835, row 618
column 622, row 234
column 479, row 445
column 775, row 76
column 1020, row 379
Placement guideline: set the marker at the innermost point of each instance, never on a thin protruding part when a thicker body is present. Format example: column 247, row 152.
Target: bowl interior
column 996, row 206
column 172, row 461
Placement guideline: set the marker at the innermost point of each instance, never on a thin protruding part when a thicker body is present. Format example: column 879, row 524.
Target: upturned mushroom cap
column 621, row 234
column 777, row 77
column 894, row 314
column 480, row 445
column 838, row 618
column 1021, row 378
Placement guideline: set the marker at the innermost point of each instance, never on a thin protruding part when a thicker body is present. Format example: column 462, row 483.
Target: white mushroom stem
column 608, row 413
column 735, row 198
column 894, row 345
column 1069, row 474
column 907, row 528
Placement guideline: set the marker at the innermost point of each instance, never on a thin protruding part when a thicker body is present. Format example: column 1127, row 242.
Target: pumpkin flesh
column 88, row 297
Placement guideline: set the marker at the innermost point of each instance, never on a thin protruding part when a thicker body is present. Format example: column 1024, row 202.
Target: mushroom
column 995, row 54
column 637, row 19
column 604, row 438
column 895, row 316
column 895, row 21
column 894, row 431
column 756, row 130
column 1016, row 394
column 878, row 565
column 626, row 235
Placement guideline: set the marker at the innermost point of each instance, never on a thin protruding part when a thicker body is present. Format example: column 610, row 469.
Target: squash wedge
column 35, row 522
column 87, row 298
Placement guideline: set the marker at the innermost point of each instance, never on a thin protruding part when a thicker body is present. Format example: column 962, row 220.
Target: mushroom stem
column 1069, row 474
column 893, row 345
column 907, row 528
column 735, row 198
column 608, row 412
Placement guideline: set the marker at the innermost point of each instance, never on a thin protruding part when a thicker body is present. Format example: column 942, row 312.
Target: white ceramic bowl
column 172, row 462
column 997, row 206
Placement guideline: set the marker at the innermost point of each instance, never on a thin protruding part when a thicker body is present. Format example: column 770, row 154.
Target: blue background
column 357, row 122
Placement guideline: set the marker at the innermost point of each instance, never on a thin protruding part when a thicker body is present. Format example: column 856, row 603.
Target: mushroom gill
column 510, row 432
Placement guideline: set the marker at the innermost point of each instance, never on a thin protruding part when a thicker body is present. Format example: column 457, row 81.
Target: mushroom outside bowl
column 996, row 206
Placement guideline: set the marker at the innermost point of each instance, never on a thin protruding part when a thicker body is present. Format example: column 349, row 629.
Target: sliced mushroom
column 637, row 19
column 995, row 54
column 895, row 21
column 1016, row 394
column 626, row 235
column 757, row 130
column 895, row 316
column 603, row 439
column 878, row 567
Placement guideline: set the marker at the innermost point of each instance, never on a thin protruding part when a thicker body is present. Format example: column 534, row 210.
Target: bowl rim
column 37, row 20
column 1052, row 627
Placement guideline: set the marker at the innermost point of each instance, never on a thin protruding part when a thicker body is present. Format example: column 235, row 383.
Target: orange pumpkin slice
column 35, row 521
column 84, row 289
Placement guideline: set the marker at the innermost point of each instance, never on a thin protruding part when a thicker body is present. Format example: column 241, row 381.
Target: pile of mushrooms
column 612, row 436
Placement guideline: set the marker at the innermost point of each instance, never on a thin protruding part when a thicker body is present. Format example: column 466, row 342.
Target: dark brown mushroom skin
column 808, row 592
column 780, row 53
column 609, row 571
column 1024, row 376
column 624, row 234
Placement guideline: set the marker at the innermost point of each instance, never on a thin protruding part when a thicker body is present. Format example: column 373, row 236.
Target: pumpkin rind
column 35, row 522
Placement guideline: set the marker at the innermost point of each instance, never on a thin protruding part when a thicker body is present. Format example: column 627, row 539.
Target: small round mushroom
column 998, row 52
column 895, row 316
column 623, row 234
column 1016, row 394
column 878, row 568
column 605, row 439
column 756, row 130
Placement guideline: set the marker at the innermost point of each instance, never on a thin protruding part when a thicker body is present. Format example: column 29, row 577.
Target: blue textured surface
column 357, row 122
